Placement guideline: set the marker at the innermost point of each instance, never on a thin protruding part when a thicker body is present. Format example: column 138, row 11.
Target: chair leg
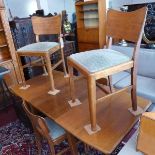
column 38, row 141
column 51, row 145
column 86, row 148
column 133, row 90
column 74, row 101
column 53, row 91
column 44, row 68
column 72, row 144
column 22, row 73
column 63, row 62
column 110, row 84
column 72, row 84
column 92, row 101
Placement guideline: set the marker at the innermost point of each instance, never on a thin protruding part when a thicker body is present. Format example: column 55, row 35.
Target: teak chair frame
column 41, row 130
column 45, row 26
column 126, row 25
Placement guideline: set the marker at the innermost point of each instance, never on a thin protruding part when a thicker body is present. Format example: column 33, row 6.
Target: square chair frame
column 41, row 130
column 44, row 26
column 120, row 25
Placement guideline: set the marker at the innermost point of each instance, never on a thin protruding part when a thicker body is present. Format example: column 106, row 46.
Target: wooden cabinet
column 7, row 51
column 91, row 20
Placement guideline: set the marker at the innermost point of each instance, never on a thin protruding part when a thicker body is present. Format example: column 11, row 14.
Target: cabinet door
column 10, row 78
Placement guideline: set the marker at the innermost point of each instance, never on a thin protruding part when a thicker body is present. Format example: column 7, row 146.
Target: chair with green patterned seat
column 44, row 26
column 48, row 129
column 102, row 63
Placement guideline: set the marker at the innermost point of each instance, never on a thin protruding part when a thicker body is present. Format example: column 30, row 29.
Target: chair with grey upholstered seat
column 102, row 63
column 48, row 129
column 44, row 26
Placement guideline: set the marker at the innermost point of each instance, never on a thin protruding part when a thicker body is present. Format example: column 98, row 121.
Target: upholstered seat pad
column 39, row 47
column 97, row 60
column 55, row 130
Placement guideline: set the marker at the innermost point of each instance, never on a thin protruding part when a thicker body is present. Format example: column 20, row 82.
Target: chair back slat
column 46, row 25
column 38, row 122
column 126, row 25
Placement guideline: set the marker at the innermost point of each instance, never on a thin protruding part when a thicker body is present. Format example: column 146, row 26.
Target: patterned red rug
column 16, row 139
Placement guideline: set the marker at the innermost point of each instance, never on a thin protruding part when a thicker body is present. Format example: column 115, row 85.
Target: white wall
column 44, row 6
column 116, row 4
column 21, row 8
column 24, row 8
column 59, row 5
column 70, row 8
column 141, row 1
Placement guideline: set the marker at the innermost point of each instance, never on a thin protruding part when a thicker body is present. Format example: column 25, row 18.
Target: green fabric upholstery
column 97, row 60
column 39, row 47
column 55, row 130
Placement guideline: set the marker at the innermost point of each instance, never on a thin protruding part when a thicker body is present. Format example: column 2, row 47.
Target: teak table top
column 112, row 116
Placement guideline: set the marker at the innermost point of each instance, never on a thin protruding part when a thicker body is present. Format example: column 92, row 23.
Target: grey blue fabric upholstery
column 97, row 60
column 39, row 47
column 145, row 86
column 55, row 130
column 146, row 73
column 146, row 60
column 119, row 76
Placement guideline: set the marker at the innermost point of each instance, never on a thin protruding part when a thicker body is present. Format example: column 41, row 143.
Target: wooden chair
column 102, row 63
column 146, row 137
column 52, row 132
column 44, row 26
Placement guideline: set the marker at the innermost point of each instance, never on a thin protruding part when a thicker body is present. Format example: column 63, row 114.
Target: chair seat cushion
column 145, row 86
column 55, row 130
column 97, row 60
column 39, row 47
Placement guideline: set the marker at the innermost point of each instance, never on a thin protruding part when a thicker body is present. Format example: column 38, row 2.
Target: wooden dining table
column 112, row 115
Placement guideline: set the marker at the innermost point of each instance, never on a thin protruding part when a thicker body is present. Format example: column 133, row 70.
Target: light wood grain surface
column 112, row 115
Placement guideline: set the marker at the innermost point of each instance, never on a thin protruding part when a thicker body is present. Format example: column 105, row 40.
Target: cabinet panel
column 2, row 39
column 88, row 35
column 4, row 54
column 91, row 22
column 87, row 47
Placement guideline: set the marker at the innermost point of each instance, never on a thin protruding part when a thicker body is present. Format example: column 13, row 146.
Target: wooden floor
column 112, row 116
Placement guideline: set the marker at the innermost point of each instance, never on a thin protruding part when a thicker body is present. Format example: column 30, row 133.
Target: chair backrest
column 46, row 25
column 38, row 122
column 126, row 25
